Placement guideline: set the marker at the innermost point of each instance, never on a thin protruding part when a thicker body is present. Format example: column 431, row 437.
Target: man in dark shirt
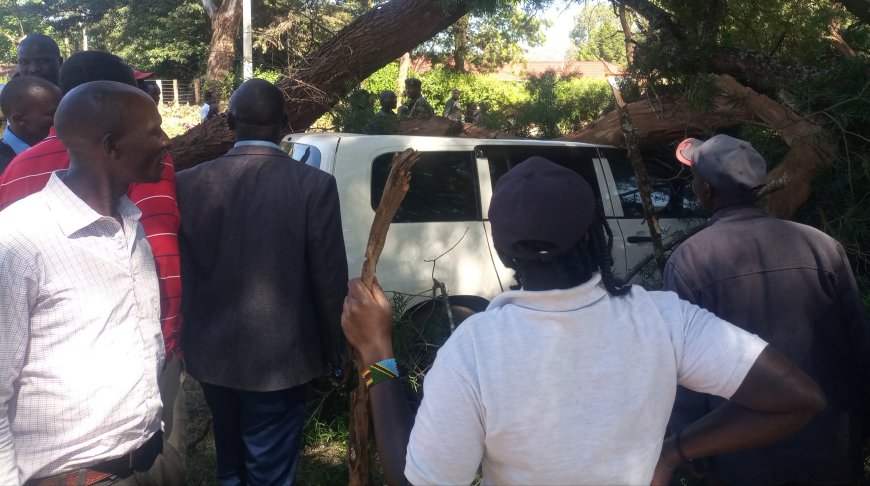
column 793, row 286
column 265, row 274
column 416, row 106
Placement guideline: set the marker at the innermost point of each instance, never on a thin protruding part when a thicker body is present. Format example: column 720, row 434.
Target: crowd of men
column 570, row 379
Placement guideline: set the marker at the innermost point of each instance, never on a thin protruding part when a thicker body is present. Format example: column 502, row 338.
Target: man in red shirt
column 29, row 172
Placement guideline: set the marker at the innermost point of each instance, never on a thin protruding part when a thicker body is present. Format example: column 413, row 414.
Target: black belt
column 138, row 460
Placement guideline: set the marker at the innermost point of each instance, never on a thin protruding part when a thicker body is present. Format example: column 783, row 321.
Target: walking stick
column 398, row 183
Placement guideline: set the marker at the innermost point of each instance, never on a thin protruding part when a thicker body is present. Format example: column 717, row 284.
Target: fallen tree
column 370, row 42
column 672, row 118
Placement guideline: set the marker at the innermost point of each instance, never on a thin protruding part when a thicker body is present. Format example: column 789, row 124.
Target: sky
column 562, row 17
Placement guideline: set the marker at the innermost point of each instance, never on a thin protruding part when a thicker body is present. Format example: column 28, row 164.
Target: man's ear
column 15, row 118
column 707, row 194
column 231, row 121
column 285, row 120
column 109, row 144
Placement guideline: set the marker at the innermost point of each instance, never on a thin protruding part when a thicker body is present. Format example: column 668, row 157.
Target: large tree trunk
column 370, row 42
column 225, row 22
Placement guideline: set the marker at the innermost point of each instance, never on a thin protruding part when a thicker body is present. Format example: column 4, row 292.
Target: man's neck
column 97, row 190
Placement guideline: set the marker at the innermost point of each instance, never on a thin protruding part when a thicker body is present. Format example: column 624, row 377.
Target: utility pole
column 247, row 40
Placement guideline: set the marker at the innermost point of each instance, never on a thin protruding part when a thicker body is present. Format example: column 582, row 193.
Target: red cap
column 140, row 75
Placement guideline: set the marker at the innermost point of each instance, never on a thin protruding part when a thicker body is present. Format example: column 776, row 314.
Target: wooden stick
column 398, row 183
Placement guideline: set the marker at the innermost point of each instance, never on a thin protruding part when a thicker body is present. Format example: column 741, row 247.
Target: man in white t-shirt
column 570, row 380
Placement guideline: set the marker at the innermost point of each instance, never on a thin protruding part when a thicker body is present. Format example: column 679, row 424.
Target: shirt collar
column 559, row 300
column 13, row 141
column 73, row 214
column 262, row 143
column 737, row 212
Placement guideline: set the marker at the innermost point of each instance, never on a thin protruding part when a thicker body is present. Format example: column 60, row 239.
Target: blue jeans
column 257, row 434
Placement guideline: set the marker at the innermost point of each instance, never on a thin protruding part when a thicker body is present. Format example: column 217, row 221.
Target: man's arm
column 327, row 272
column 368, row 325
column 17, row 294
column 857, row 331
column 774, row 401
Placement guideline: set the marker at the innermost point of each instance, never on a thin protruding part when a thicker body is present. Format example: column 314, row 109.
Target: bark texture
column 225, row 23
column 658, row 121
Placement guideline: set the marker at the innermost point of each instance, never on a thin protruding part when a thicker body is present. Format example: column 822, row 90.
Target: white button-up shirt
column 80, row 341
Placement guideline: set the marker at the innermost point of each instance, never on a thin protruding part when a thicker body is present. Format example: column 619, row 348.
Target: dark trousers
column 257, row 434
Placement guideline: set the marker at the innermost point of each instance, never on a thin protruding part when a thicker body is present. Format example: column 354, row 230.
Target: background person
column 792, row 285
column 209, row 108
column 39, row 55
column 265, row 273
column 571, row 379
column 452, row 107
column 29, row 103
column 416, row 106
column 385, row 120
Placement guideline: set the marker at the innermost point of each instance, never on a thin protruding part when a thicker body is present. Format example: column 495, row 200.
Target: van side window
column 443, row 188
column 672, row 194
column 307, row 154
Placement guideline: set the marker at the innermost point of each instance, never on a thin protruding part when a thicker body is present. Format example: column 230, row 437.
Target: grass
column 177, row 119
column 322, row 460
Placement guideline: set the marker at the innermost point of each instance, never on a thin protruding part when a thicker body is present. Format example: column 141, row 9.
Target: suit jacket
column 6, row 155
column 264, row 270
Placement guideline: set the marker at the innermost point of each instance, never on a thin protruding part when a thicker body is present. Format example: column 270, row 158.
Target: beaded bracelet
column 381, row 371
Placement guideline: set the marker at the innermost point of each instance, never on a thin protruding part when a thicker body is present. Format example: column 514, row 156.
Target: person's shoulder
column 23, row 217
column 46, row 156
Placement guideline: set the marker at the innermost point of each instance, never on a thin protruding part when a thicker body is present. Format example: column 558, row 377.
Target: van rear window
column 443, row 188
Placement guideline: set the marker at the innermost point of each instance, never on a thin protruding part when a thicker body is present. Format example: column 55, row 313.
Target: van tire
column 461, row 306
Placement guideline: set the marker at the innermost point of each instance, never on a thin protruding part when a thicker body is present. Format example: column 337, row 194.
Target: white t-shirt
column 203, row 111
column 568, row 386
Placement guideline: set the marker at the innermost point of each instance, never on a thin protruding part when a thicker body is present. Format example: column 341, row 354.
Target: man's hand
column 367, row 320
column 667, row 464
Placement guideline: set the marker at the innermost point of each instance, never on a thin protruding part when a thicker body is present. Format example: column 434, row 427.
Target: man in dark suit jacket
column 265, row 274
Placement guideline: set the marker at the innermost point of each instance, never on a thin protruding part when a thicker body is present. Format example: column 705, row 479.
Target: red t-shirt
column 29, row 172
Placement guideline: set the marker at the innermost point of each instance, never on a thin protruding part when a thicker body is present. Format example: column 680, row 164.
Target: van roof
column 330, row 136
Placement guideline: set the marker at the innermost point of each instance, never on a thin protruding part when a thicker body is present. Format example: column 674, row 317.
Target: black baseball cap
column 541, row 201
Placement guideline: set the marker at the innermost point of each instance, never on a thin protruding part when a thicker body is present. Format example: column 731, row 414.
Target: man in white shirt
column 80, row 341
column 570, row 380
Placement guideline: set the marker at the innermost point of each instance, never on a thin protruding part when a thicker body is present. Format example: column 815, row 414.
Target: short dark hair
column 413, row 82
column 87, row 66
column 15, row 92
column 43, row 41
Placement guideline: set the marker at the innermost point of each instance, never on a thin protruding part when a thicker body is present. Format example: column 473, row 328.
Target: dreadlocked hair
column 578, row 264
column 600, row 247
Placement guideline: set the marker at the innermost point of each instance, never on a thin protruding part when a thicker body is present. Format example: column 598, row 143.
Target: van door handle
column 639, row 239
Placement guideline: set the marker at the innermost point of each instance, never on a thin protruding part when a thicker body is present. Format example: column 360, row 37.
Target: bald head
column 29, row 103
column 24, row 90
column 90, row 111
column 113, row 130
column 39, row 55
column 84, row 67
column 257, row 102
